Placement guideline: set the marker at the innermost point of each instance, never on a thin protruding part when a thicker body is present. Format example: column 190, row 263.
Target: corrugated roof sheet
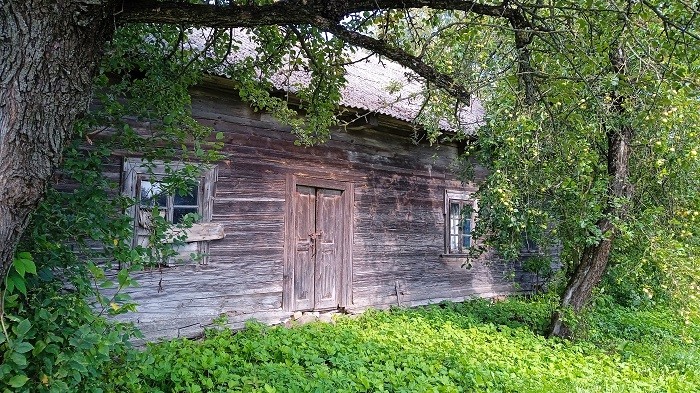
column 373, row 84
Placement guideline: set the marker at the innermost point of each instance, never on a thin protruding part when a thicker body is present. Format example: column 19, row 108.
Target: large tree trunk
column 587, row 275
column 594, row 259
column 49, row 51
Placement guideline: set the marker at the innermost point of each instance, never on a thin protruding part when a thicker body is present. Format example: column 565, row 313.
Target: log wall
column 398, row 225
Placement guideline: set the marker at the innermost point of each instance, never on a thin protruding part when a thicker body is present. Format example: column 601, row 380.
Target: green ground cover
column 469, row 347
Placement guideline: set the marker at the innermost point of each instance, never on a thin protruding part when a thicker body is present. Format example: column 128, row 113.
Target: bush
column 441, row 348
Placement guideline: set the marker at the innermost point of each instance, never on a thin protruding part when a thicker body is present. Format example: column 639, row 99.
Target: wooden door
column 318, row 253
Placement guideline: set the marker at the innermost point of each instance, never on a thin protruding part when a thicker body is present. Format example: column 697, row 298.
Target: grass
column 469, row 347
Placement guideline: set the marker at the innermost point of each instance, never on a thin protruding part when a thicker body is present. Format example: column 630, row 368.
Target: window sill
column 454, row 255
column 197, row 233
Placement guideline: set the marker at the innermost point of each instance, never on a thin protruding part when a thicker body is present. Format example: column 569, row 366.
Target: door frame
column 345, row 283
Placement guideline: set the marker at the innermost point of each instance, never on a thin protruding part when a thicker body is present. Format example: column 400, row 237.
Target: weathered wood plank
column 193, row 326
column 197, row 232
column 383, row 302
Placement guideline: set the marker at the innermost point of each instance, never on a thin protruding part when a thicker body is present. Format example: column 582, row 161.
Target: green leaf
column 30, row 266
column 269, row 389
column 19, row 359
column 22, row 328
column 23, row 266
column 45, row 274
column 219, row 136
column 15, row 281
column 123, row 278
column 107, row 284
column 38, row 347
column 11, row 302
column 19, row 267
column 18, row 381
column 23, row 347
column 43, row 314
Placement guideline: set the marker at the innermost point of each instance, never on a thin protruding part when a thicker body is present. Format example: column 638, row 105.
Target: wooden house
column 372, row 218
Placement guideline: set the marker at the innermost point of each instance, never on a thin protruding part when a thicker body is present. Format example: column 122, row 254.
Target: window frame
column 170, row 205
column 134, row 170
column 463, row 198
column 528, row 247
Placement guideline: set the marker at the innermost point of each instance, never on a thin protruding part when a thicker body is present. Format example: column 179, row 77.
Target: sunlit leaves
column 475, row 346
column 549, row 175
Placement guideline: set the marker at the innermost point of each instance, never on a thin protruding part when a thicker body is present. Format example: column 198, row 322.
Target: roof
column 374, row 84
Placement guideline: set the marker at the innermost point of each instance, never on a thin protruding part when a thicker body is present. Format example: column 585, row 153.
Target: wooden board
column 197, row 232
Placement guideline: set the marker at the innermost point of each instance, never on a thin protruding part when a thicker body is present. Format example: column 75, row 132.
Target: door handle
column 314, row 237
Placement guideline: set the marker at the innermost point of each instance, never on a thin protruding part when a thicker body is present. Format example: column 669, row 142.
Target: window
column 145, row 182
column 460, row 212
column 174, row 207
column 529, row 245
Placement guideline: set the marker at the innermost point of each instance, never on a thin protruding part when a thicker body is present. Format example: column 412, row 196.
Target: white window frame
column 464, row 198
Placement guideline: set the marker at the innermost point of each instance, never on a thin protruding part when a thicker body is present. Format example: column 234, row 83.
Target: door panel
column 304, row 221
column 318, row 227
column 329, row 219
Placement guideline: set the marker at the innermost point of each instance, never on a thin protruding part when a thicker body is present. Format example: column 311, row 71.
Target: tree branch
column 523, row 34
column 668, row 21
column 281, row 12
column 400, row 56
column 322, row 14
column 212, row 15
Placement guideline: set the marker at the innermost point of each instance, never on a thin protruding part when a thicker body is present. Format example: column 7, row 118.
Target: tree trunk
column 594, row 259
column 49, row 52
column 587, row 275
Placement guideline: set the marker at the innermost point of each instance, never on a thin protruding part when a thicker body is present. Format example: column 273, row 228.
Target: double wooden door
column 318, row 241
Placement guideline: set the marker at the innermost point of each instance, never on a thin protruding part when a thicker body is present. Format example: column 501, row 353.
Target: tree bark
column 594, row 259
column 288, row 12
column 587, row 275
column 49, row 52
